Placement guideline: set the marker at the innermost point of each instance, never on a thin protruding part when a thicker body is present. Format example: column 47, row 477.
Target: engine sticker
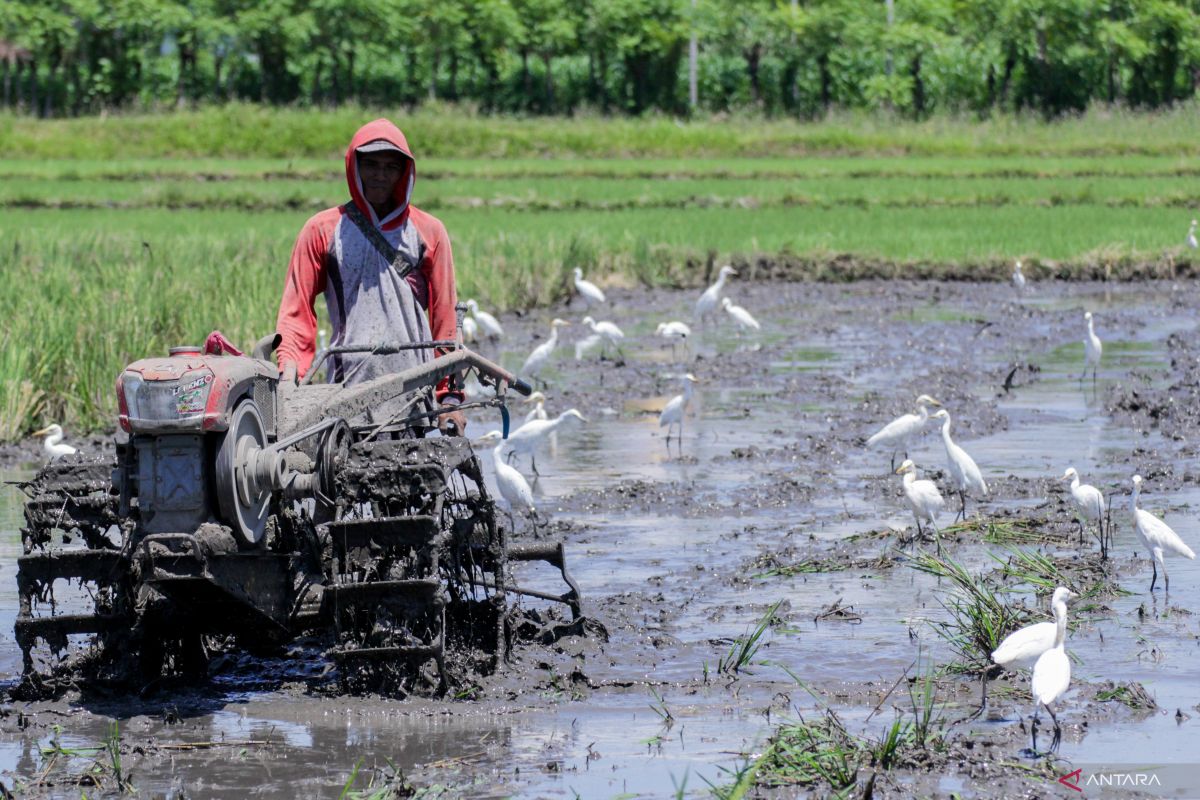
column 203, row 380
column 191, row 401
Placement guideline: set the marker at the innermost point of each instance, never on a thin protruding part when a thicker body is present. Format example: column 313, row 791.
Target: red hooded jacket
column 367, row 302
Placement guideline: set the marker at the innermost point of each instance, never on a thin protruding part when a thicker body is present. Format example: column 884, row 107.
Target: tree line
column 779, row 57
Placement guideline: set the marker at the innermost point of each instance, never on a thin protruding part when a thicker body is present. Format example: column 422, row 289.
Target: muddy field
column 771, row 501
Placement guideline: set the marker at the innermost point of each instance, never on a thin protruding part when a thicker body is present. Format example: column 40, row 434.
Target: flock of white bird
column 538, row 427
column 1037, row 647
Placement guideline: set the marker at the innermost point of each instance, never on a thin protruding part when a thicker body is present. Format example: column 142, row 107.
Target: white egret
column 743, row 318
column 1092, row 348
column 897, row 434
column 473, row 390
column 1022, row 648
column 1018, row 277
column 1157, row 536
column 513, row 486
column 539, row 409
column 526, row 438
column 53, row 445
column 590, row 292
column 470, row 329
column 488, row 325
column 924, row 499
column 674, row 332
column 487, row 440
column 712, row 295
column 541, row 354
column 964, row 472
column 1089, row 501
column 587, row 344
column 675, row 409
column 1191, row 237
column 610, row 333
column 1051, row 677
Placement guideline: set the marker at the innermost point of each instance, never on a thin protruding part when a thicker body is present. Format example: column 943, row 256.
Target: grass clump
column 1133, row 695
column 743, row 650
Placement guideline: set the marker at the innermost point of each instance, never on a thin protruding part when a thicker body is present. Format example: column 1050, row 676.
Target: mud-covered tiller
column 247, row 509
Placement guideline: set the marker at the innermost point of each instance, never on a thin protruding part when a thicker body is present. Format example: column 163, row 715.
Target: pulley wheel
column 243, row 506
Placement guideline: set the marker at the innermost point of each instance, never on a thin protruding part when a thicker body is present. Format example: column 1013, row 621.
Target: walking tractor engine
column 247, row 509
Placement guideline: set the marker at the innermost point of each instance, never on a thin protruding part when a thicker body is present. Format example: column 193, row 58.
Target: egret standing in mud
column 745, row 321
column 529, row 436
column 1092, row 349
column 513, row 486
column 674, row 331
column 897, row 434
column 964, row 472
column 470, row 329
column 1018, row 278
column 538, row 412
column 1089, row 501
column 610, row 333
column 1157, row 536
column 712, row 295
column 488, row 325
column 924, row 499
column 1021, row 649
column 1051, row 677
column 541, row 354
column 1191, row 237
column 675, row 409
column 53, row 445
column 590, row 292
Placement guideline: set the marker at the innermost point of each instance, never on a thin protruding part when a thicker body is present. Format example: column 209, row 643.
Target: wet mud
column 771, row 513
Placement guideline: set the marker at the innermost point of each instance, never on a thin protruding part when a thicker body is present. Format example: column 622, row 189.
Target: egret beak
column 42, row 432
column 1072, row 595
column 936, row 403
column 899, row 470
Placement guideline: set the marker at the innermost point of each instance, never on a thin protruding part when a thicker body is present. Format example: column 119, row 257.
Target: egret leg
column 893, row 462
column 1154, row 572
column 1033, row 726
column 533, row 462
column 509, row 456
column 1057, row 730
column 962, row 497
column 937, row 537
column 1166, row 578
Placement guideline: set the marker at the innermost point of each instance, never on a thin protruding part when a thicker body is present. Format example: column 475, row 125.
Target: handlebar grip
column 521, row 387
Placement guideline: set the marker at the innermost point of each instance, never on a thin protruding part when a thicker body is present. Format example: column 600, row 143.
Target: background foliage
column 780, row 57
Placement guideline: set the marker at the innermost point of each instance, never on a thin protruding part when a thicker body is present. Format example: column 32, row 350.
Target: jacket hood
column 372, row 131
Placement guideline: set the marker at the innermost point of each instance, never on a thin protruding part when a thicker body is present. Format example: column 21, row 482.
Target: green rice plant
column 808, row 753
column 978, row 620
column 744, row 648
column 1133, row 695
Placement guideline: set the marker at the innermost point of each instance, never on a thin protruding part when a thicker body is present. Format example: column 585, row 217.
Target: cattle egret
column 539, row 410
column 513, row 486
column 1191, row 237
column 587, row 344
column 526, row 438
column 712, row 295
column 924, row 499
column 541, row 354
column 1157, row 536
column 470, row 329
column 610, row 333
column 590, row 292
column 675, row 409
column 1051, row 677
column 473, row 390
column 53, row 445
column 964, row 472
column 487, row 440
column 1089, row 501
column 1021, row 649
column 1092, row 348
column 741, row 316
column 674, row 332
column 1018, row 277
column 488, row 325
column 898, row 433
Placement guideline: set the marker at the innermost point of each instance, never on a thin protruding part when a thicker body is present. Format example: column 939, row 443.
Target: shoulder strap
column 391, row 254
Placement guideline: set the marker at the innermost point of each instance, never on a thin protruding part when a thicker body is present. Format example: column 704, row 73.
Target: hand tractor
column 248, row 509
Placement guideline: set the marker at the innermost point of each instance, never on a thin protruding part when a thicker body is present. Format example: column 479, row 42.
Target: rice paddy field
column 120, row 237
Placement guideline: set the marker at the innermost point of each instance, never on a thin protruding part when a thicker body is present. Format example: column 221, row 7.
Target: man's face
column 379, row 173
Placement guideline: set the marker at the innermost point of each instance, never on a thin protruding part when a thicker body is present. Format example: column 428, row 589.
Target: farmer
column 384, row 267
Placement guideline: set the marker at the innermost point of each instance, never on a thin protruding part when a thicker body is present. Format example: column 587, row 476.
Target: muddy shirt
column 368, row 302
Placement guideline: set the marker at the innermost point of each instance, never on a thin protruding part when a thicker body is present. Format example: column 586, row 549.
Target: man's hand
column 452, row 423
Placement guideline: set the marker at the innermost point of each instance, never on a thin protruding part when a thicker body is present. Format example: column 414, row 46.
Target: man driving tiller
column 384, row 266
